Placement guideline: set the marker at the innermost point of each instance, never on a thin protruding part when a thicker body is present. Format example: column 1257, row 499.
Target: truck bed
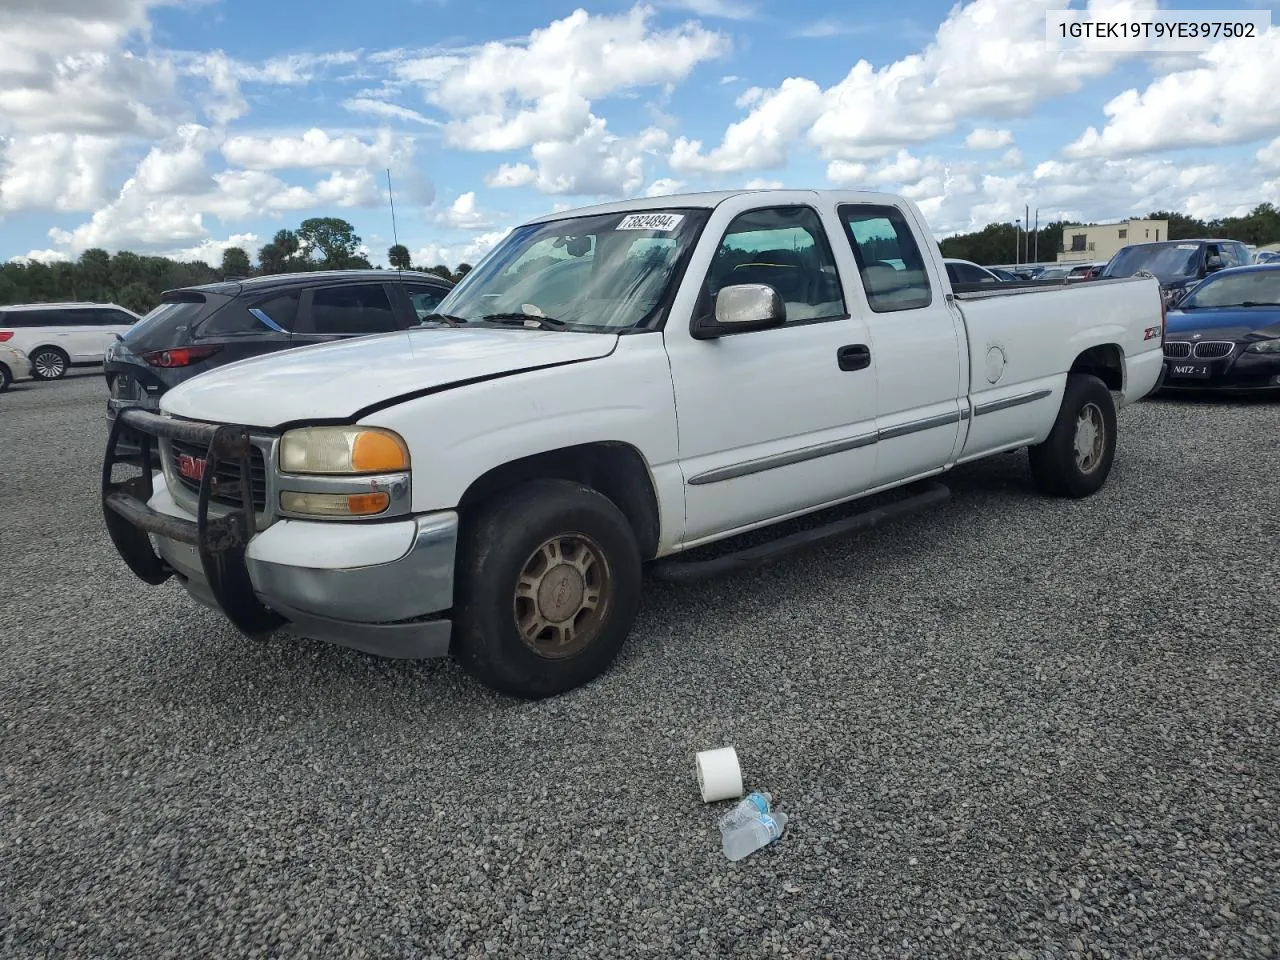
column 1011, row 288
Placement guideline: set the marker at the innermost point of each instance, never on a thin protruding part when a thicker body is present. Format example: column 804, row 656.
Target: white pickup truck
column 610, row 387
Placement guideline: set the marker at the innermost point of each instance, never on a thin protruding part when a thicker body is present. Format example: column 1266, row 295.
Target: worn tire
column 6, row 377
column 56, row 359
column 1056, row 466
column 501, row 541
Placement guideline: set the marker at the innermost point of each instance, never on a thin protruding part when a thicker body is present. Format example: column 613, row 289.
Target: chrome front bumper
column 394, row 609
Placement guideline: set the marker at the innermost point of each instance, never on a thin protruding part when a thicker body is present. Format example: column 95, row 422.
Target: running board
column 689, row 571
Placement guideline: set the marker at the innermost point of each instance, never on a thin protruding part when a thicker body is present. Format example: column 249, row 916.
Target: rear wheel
column 549, row 584
column 49, row 363
column 1075, row 460
column 6, row 378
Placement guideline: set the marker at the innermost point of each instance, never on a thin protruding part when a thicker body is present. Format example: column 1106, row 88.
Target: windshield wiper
column 446, row 318
column 1259, row 303
column 524, row 319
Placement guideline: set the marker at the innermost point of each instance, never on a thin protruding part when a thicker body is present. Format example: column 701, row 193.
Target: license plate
column 1192, row 371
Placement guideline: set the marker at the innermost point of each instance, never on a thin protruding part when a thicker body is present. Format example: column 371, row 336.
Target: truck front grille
column 227, row 476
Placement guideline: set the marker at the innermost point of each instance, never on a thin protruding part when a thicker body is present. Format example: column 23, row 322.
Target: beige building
column 1085, row 243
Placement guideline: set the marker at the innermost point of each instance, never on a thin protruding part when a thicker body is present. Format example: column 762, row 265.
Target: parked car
column 1225, row 334
column 1053, row 273
column 58, row 336
column 1005, row 276
column 612, row 386
column 965, row 271
column 1086, row 271
column 197, row 329
column 1178, row 264
column 1266, row 256
column 14, row 365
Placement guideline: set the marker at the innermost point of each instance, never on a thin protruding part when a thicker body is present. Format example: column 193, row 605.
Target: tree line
column 996, row 242
column 136, row 281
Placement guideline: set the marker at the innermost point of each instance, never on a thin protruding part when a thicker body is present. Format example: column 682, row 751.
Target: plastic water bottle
column 753, row 804
column 760, row 831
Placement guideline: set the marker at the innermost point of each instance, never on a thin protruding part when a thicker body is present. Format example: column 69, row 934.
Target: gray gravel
column 1010, row 728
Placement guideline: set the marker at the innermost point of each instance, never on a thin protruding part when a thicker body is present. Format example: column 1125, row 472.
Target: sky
column 182, row 127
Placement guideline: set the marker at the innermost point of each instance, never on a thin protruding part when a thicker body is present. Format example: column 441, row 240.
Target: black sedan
column 1225, row 334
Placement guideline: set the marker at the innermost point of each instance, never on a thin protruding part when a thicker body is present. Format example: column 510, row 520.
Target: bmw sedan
column 1225, row 334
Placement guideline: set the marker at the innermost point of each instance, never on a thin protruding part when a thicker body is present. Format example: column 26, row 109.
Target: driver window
column 785, row 248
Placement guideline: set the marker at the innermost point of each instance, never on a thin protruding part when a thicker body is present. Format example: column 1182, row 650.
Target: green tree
column 440, row 270
column 281, row 254
column 235, row 263
column 330, row 243
column 95, row 275
column 138, row 297
column 1181, row 227
column 462, row 271
column 398, row 257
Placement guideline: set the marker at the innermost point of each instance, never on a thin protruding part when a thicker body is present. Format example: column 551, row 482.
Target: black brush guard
column 219, row 541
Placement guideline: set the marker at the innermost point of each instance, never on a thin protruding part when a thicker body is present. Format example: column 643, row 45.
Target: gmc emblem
column 190, row 467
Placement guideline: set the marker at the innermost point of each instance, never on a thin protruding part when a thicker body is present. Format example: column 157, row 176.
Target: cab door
column 778, row 421
column 918, row 340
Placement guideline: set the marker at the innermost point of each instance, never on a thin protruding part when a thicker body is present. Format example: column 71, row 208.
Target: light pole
column 1017, row 240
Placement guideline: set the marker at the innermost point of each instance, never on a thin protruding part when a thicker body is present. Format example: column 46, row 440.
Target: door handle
column 856, row 356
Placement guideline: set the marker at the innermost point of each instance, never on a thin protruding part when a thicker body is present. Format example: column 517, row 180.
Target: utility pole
column 1017, row 241
column 1026, row 235
column 1037, row 260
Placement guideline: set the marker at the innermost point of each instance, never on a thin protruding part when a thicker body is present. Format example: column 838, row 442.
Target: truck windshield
column 604, row 272
column 1167, row 261
column 1249, row 289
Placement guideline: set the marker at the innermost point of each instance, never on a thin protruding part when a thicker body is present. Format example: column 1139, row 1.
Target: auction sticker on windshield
column 650, row 221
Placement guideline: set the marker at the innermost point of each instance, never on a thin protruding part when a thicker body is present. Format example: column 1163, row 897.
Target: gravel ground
column 1010, row 728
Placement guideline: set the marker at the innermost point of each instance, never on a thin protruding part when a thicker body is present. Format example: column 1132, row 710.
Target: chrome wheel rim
column 562, row 596
column 49, row 364
column 1091, row 438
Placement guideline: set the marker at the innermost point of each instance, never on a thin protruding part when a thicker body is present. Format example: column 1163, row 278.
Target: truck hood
column 335, row 381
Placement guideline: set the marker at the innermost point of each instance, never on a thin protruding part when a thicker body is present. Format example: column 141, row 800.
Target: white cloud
column 225, row 101
column 986, row 139
column 55, row 171
column 388, row 111
column 730, row 79
column 349, row 188
column 760, row 183
column 211, row 251
column 989, row 58
column 453, row 254
column 1269, row 156
column 595, row 163
column 508, row 95
column 845, row 173
column 180, row 170
column 1011, row 157
column 827, row 27
column 1225, row 100
column 760, row 140
column 724, row 9
column 463, row 214
column 41, row 256
column 664, row 187
column 313, row 149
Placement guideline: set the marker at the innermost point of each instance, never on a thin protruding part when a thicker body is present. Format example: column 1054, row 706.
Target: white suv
column 58, row 336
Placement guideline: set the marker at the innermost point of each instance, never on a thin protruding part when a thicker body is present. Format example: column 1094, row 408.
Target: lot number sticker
column 650, row 221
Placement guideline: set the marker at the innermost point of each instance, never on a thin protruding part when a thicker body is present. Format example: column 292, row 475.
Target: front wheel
column 6, row 378
column 548, row 587
column 49, row 363
column 1075, row 460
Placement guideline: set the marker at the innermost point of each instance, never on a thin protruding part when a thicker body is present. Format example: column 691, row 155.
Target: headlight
column 1264, row 346
column 342, row 450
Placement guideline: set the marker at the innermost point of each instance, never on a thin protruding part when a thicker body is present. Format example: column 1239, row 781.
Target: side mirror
column 740, row 309
column 1213, row 264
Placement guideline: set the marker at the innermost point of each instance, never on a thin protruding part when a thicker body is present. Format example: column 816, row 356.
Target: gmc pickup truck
column 613, row 387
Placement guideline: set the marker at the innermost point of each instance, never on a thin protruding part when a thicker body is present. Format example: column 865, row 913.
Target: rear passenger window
column 272, row 315
column 888, row 258
column 357, row 309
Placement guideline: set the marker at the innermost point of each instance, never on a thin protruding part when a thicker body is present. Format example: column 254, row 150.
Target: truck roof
column 711, row 199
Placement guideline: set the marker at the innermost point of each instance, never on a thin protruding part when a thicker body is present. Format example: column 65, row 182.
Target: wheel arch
column 616, row 469
column 1104, row 361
